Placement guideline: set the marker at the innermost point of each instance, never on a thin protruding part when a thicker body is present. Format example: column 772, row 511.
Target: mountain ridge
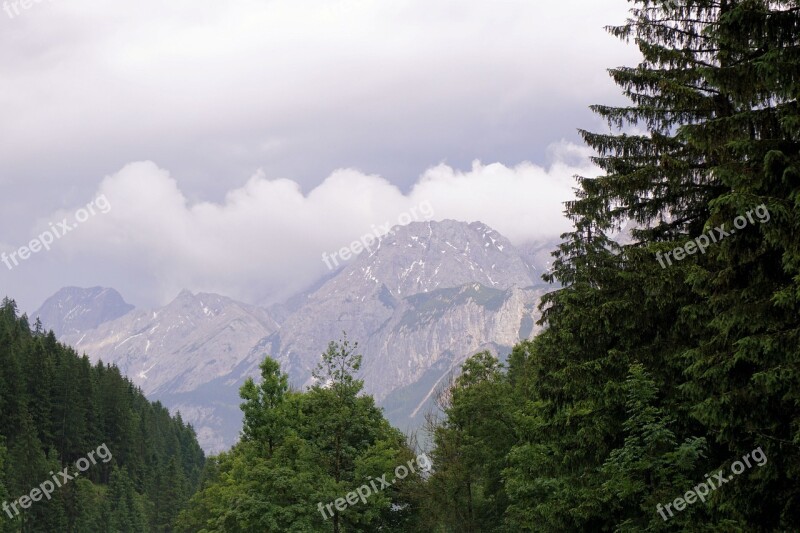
column 429, row 295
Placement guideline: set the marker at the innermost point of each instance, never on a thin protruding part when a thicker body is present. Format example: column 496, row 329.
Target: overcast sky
column 237, row 141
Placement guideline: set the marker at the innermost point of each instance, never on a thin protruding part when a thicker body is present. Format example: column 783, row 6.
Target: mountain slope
column 181, row 348
column 429, row 295
column 426, row 297
column 73, row 309
column 190, row 341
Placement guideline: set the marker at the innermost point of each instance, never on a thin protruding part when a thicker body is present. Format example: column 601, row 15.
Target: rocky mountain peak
column 419, row 301
column 426, row 256
column 74, row 309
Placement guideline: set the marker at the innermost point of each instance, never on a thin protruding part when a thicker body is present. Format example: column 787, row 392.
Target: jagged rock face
column 421, row 301
column 419, row 258
column 427, row 296
column 429, row 327
column 73, row 309
column 177, row 348
column 435, row 332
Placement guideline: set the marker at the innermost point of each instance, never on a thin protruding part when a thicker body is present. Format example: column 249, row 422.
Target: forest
column 663, row 393
column 56, row 410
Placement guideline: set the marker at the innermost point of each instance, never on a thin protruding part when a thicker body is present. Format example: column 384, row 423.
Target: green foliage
column 466, row 492
column 56, row 408
column 303, row 449
column 5, row 526
column 650, row 467
column 709, row 344
column 651, row 373
column 129, row 514
column 263, row 422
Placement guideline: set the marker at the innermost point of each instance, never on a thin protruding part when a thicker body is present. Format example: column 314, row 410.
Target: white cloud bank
column 211, row 90
column 267, row 238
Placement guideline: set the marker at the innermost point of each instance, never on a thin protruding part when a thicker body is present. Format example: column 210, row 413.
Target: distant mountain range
column 429, row 295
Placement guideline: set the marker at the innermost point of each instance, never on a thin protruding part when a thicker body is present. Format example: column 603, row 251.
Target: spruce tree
column 711, row 134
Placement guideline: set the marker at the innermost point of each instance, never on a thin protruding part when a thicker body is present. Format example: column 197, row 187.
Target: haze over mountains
column 428, row 296
column 73, row 310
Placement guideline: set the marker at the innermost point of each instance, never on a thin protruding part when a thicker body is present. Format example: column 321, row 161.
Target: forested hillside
column 664, row 393
column 657, row 371
column 81, row 449
column 671, row 362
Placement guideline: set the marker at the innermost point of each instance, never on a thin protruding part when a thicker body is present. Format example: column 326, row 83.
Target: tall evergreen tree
column 711, row 134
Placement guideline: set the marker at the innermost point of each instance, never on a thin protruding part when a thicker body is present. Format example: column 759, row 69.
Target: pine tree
column 6, row 525
column 54, row 411
column 714, row 105
column 127, row 509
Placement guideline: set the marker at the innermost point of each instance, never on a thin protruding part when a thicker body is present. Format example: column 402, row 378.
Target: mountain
column 539, row 255
column 180, row 348
column 72, row 309
column 426, row 297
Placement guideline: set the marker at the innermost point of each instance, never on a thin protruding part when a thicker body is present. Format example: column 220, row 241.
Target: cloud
column 213, row 89
column 267, row 237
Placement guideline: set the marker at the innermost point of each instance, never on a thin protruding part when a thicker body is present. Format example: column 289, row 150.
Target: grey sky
column 230, row 99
